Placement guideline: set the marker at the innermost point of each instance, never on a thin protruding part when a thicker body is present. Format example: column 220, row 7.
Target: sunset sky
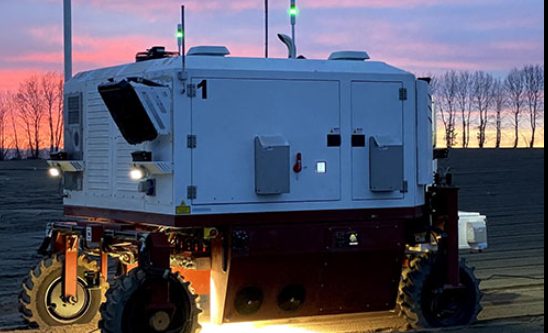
column 423, row 36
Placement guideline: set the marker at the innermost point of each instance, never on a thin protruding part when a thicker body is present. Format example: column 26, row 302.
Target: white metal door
column 229, row 114
column 377, row 112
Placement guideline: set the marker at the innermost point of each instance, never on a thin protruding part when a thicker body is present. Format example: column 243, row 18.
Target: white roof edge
column 247, row 64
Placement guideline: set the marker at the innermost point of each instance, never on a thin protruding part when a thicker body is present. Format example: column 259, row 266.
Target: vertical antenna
column 67, row 18
column 266, row 27
column 180, row 38
column 184, row 36
column 293, row 12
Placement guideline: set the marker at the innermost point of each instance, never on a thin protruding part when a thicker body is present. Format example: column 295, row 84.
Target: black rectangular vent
column 74, row 106
column 358, row 140
column 334, row 140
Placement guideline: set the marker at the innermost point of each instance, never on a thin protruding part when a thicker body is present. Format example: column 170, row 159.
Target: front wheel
column 425, row 305
column 143, row 303
column 41, row 299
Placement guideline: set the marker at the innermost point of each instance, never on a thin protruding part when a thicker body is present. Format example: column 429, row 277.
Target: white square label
column 321, row 167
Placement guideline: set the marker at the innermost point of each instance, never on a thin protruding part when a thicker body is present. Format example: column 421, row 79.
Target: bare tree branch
column 32, row 109
column 500, row 101
column 4, row 108
column 482, row 98
column 534, row 94
column 447, row 89
column 516, row 89
column 463, row 101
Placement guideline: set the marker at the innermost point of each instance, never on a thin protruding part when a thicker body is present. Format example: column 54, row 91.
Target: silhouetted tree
column 482, row 98
column 3, row 124
column 463, row 101
column 59, row 129
column 48, row 89
column 534, row 95
column 12, row 104
column 447, row 90
column 515, row 84
column 500, row 102
column 32, row 110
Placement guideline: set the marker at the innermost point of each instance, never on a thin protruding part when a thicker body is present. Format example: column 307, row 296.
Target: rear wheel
column 138, row 304
column 425, row 305
column 41, row 299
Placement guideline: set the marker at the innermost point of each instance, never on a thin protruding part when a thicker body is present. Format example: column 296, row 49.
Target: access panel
column 377, row 149
column 251, row 132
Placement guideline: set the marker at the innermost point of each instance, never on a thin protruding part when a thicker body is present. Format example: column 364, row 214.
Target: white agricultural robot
column 281, row 188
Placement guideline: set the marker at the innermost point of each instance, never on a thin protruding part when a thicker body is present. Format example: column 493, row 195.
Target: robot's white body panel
column 260, row 136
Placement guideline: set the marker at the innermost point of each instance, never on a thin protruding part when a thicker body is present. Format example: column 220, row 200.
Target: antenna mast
column 67, row 19
column 266, row 27
column 293, row 13
column 183, row 36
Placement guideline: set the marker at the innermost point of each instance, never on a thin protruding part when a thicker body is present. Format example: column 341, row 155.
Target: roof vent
column 209, row 51
column 350, row 56
column 157, row 52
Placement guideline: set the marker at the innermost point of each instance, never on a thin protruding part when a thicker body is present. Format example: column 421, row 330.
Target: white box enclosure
column 254, row 135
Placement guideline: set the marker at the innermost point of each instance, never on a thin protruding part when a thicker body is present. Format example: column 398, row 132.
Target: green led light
column 294, row 11
column 180, row 34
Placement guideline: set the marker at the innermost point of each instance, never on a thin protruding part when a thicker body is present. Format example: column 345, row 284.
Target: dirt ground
column 506, row 185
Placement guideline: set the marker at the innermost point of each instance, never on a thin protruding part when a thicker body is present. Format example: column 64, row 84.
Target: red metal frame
column 452, row 231
column 338, row 278
column 224, row 220
column 104, row 265
column 445, row 211
column 71, row 268
column 292, row 248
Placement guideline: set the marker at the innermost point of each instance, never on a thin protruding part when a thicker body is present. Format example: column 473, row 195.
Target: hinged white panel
column 235, row 112
column 157, row 103
column 377, row 113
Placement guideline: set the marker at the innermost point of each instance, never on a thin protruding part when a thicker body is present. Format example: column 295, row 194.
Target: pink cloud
column 151, row 9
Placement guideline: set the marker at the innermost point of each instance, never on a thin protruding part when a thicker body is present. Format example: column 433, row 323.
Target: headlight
column 137, row 174
column 54, row 172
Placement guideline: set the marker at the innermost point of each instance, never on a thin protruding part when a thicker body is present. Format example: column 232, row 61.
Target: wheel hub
column 160, row 321
column 66, row 311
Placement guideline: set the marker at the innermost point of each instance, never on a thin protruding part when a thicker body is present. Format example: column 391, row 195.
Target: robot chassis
column 155, row 265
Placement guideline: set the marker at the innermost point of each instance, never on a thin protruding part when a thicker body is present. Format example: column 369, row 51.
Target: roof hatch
column 209, row 51
column 350, row 56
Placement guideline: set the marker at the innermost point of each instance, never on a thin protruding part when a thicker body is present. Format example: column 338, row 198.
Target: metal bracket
column 403, row 94
column 192, row 193
column 183, row 76
column 192, row 141
column 191, row 90
column 405, row 187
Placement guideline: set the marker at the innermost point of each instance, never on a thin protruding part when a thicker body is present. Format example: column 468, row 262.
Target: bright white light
column 54, row 172
column 321, row 167
column 137, row 174
column 251, row 328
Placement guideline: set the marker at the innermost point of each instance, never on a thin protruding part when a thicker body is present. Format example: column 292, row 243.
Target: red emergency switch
column 299, row 164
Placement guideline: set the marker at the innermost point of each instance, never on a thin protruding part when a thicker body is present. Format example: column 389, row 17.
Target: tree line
column 31, row 118
column 479, row 100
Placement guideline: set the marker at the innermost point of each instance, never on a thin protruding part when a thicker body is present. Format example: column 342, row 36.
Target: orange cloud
column 10, row 79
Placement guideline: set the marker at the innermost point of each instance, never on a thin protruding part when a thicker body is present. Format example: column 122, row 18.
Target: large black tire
column 40, row 300
column 127, row 307
column 417, row 297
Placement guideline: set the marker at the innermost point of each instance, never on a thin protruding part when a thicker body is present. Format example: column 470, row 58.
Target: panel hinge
column 191, row 90
column 192, row 192
column 405, row 187
column 192, row 142
column 403, row 94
